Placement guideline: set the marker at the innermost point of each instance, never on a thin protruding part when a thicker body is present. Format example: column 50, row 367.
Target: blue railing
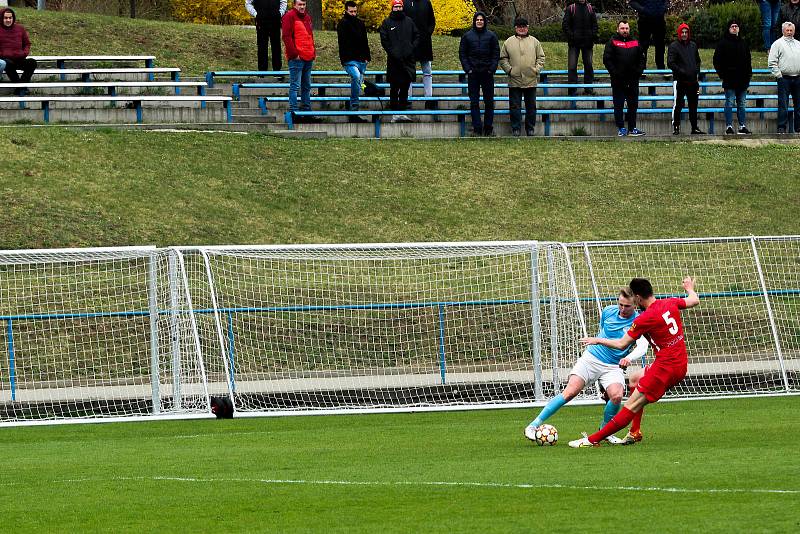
column 440, row 306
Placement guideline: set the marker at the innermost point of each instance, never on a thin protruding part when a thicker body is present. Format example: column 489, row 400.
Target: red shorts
column 658, row 379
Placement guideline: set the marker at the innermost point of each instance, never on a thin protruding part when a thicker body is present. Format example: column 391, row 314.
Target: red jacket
column 298, row 36
column 14, row 41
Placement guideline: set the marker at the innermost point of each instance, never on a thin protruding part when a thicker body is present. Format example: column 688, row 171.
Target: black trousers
column 652, row 31
column 268, row 35
column 27, row 66
column 515, row 96
column 622, row 91
column 688, row 90
column 477, row 82
column 398, row 92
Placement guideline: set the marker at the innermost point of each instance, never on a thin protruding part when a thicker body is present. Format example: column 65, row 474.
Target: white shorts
column 590, row 369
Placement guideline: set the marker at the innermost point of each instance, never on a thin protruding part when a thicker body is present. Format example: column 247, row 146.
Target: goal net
column 96, row 333
column 391, row 326
column 142, row 332
column 744, row 338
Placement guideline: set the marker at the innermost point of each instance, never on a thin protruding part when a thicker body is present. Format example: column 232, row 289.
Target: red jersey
column 662, row 326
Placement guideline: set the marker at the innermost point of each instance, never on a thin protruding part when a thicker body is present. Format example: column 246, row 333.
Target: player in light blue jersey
column 599, row 363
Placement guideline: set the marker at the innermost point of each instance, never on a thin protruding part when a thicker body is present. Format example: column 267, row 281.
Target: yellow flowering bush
column 450, row 14
column 211, row 11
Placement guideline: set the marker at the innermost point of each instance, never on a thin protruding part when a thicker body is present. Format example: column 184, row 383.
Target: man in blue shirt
column 599, row 363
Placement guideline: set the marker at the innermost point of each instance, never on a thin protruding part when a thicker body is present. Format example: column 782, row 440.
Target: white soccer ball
column 546, row 435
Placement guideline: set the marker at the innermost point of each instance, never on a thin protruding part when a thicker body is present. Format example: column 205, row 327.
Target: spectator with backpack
column 580, row 28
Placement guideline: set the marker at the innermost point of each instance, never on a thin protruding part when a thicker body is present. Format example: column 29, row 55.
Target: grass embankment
column 60, row 188
column 197, row 49
column 701, row 467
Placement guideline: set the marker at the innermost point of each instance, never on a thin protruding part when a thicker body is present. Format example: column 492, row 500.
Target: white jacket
column 784, row 57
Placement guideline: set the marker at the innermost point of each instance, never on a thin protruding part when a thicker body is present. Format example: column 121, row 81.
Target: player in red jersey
column 661, row 325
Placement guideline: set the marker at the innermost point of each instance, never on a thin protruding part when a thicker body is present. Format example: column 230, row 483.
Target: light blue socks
column 552, row 407
column 609, row 412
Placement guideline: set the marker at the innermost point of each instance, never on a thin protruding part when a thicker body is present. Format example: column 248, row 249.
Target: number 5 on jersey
column 672, row 323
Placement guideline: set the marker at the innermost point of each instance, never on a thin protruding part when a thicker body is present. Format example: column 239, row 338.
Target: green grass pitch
column 713, row 466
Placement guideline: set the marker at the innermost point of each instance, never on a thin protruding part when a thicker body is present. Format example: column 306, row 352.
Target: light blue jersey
column 612, row 326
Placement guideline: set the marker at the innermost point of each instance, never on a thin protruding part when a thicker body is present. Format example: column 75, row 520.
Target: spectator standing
column 770, row 9
column 479, row 53
column 580, row 28
column 298, row 40
column 522, row 58
column 399, row 37
column 15, row 45
column 652, row 26
column 683, row 59
column 624, row 58
column 353, row 52
column 790, row 12
column 268, row 15
column 784, row 62
column 734, row 67
column 421, row 12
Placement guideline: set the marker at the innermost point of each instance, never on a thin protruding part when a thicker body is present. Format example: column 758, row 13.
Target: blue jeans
column 427, row 79
column 770, row 9
column 300, row 78
column 739, row 97
column 477, row 82
column 356, row 70
column 2, row 67
column 788, row 86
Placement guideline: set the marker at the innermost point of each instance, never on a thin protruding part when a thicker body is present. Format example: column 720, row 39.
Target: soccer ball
column 546, row 435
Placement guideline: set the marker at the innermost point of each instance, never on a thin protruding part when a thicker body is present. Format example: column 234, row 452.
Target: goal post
column 93, row 333
column 743, row 338
column 413, row 326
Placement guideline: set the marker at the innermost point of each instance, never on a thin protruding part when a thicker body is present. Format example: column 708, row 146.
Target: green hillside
column 62, row 187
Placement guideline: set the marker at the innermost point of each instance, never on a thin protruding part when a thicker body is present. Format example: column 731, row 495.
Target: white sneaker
column 530, row 432
column 583, row 442
column 614, row 440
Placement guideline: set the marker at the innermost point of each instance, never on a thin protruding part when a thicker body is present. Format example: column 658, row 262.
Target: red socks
column 617, row 423
column 637, row 422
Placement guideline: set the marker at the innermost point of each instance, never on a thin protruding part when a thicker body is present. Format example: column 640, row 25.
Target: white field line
column 491, row 485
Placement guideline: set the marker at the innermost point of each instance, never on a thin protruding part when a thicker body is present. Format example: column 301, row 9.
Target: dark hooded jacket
column 352, row 36
column 624, row 58
column 14, row 41
column 732, row 62
column 650, row 8
column 399, row 37
column 579, row 24
column 421, row 12
column 683, row 58
column 789, row 13
column 479, row 50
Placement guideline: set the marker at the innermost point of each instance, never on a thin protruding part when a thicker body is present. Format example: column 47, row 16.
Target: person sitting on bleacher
column 353, row 52
column 479, row 52
column 683, row 58
column 15, row 45
column 734, row 67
